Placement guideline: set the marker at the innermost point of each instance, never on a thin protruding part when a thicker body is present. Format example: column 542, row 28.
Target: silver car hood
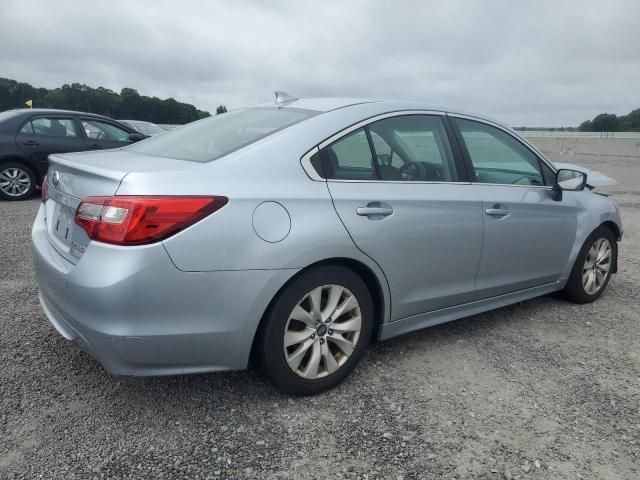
column 594, row 177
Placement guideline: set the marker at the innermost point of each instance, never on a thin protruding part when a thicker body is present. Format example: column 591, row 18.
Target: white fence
column 548, row 133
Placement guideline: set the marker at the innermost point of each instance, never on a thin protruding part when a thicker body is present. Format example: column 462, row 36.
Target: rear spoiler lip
column 594, row 177
column 111, row 174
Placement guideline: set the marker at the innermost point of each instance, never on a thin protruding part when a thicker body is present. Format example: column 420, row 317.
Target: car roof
column 52, row 111
column 327, row 104
column 322, row 104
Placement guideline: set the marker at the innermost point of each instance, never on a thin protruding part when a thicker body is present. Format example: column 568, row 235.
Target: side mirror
column 136, row 137
column 568, row 180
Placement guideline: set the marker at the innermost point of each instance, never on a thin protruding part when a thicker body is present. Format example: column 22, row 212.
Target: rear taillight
column 138, row 220
column 43, row 189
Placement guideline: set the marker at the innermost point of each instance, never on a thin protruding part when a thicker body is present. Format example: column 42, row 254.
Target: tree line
column 610, row 122
column 128, row 104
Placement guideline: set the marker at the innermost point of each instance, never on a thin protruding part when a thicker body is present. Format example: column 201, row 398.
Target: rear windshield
column 217, row 136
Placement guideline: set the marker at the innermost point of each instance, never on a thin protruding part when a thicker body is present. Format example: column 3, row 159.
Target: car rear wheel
column 316, row 331
column 593, row 268
column 17, row 182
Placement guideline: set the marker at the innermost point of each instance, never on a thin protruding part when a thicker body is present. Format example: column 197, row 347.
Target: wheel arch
column 615, row 229
column 26, row 163
column 365, row 272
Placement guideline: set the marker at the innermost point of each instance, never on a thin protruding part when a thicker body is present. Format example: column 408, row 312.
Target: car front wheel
column 593, row 268
column 316, row 332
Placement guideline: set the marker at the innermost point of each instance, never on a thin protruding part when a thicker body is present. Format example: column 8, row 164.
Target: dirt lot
column 542, row 389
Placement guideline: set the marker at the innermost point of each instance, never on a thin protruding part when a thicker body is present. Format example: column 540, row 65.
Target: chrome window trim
column 547, row 187
column 417, row 182
column 516, row 137
column 400, row 182
column 375, row 118
column 315, row 176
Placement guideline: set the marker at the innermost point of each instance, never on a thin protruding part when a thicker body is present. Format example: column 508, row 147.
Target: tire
column 333, row 343
column 576, row 290
column 17, row 181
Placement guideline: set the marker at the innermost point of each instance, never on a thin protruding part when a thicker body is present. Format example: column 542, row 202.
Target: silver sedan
column 290, row 235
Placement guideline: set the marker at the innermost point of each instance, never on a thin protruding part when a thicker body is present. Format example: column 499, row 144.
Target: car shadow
column 247, row 386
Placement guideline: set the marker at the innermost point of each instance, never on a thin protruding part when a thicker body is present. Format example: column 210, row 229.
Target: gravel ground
column 542, row 389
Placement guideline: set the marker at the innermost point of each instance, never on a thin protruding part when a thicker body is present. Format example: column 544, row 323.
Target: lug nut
column 330, row 332
column 322, row 340
column 313, row 335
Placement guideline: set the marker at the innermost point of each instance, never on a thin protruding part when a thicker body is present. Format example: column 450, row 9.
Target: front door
column 527, row 235
column 399, row 192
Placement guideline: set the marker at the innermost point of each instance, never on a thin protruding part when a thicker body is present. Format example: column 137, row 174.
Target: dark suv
column 28, row 136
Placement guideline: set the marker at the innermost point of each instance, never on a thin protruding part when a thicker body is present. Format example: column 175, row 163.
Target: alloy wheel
column 14, row 181
column 596, row 266
column 322, row 331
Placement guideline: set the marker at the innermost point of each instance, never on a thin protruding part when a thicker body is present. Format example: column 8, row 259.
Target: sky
column 533, row 63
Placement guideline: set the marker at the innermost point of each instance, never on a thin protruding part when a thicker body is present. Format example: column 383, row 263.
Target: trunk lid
column 72, row 177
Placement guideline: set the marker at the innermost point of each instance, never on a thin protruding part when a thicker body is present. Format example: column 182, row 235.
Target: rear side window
column 27, row 129
column 350, row 158
column 402, row 148
column 50, row 127
column 414, row 148
column 216, row 136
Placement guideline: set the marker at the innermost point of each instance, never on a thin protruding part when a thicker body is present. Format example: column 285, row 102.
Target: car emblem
column 55, row 178
column 322, row 329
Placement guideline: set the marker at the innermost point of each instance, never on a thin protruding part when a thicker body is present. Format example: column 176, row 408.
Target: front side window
column 217, row 136
column 97, row 130
column 51, row 127
column 497, row 157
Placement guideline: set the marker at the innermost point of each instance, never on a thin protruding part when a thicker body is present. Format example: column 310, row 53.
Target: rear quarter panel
column 267, row 171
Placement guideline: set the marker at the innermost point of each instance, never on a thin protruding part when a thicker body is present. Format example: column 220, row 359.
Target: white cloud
column 531, row 63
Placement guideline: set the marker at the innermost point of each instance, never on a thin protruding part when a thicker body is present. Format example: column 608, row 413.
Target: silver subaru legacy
column 290, row 235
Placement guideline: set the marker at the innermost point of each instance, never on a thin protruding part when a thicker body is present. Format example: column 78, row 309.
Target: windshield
column 217, row 136
column 147, row 128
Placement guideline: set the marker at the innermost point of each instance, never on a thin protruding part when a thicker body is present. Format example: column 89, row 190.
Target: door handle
column 374, row 211
column 497, row 211
column 31, row 143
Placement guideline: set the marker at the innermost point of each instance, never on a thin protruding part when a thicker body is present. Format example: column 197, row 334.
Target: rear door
column 43, row 135
column 401, row 194
column 527, row 235
column 102, row 134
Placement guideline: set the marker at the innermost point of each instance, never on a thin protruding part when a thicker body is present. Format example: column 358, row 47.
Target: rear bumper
column 132, row 310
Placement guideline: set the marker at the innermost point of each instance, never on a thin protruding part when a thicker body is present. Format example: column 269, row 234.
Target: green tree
column 605, row 122
column 128, row 104
column 221, row 109
column 586, row 126
column 630, row 122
